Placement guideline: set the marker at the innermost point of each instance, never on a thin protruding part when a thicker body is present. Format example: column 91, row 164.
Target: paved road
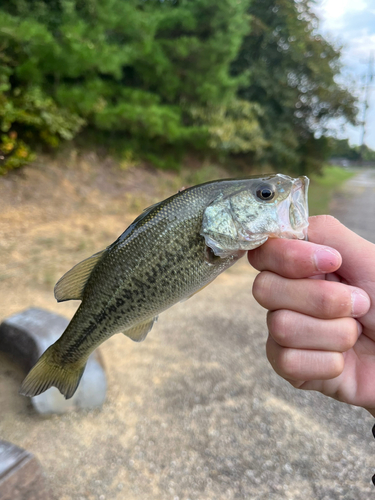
column 355, row 206
column 195, row 412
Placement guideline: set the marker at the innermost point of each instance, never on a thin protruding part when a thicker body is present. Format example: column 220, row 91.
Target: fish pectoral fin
column 139, row 332
column 72, row 284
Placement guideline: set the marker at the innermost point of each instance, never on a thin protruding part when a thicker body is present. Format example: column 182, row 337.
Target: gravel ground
column 195, row 412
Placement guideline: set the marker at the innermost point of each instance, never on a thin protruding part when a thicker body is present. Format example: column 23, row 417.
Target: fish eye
column 266, row 193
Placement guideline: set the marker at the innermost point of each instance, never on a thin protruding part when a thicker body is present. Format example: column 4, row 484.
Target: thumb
column 358, row 254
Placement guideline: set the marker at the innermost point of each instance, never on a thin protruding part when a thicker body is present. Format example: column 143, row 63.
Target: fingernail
column 360, row 303
column 327, row 259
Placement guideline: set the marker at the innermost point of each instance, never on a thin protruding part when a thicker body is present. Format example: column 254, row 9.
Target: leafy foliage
column 28, row 113
column 129, row 69
column 229, row 77
column 291, row 74
column 340, row 148
column 233, row 128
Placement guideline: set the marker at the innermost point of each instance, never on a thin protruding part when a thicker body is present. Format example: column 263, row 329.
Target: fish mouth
column 294, row 212
column 299, row 209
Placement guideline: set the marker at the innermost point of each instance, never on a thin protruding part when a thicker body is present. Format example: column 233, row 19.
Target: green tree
column 340, row 148
column 142, row 71
column 27, row 112
column 291, row 73
column 163, row 77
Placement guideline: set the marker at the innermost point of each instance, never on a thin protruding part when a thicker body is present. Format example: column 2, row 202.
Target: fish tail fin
column 48, row 372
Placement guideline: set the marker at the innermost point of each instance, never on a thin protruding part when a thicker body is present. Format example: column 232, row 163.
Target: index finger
column 295, row 258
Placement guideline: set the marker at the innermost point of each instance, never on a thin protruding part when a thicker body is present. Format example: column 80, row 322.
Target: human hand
column 321, row 330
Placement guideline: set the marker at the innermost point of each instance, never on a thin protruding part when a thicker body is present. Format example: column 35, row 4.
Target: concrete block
column 26, row 335
column 21, row 476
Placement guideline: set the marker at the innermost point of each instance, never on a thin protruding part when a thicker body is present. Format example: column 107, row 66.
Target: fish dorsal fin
column 72, row 284
column 139, row 332
column 128, row 231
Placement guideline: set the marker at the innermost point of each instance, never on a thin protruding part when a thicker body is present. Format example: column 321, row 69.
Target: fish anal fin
column 72, row 284
column 139, row 332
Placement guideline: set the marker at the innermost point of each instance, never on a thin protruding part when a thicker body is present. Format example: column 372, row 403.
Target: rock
column 21, row 476
column 26, row 335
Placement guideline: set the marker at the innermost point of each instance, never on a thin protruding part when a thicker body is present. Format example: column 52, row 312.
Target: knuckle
column 279, row 326
column 336, row 365
column 328, row 221
column 292, row 258
column 262, row 286
column 331, row 221
column 348, row 335
column 287, row 363
column 334, row 301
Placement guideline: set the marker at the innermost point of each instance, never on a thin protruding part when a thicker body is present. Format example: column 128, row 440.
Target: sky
column 351, row 23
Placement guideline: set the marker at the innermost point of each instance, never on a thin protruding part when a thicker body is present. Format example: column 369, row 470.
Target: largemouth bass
column 170, row 252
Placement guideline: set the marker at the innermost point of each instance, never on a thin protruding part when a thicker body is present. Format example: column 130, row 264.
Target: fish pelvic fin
column 72, row 284
column 47, row 373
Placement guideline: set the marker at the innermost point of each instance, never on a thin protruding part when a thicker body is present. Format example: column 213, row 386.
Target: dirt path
column 194, row 412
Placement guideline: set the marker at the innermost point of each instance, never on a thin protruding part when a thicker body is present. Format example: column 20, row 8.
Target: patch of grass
column 204, row 174
column 188, row 177
column 324, row 185
column 136, row 202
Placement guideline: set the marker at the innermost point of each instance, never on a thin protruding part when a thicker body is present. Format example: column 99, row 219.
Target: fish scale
column 164, row 256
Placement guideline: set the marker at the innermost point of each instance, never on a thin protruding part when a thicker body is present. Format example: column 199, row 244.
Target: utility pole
column 368, row 77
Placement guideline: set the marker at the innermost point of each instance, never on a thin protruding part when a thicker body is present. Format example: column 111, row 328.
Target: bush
column 130, row 69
